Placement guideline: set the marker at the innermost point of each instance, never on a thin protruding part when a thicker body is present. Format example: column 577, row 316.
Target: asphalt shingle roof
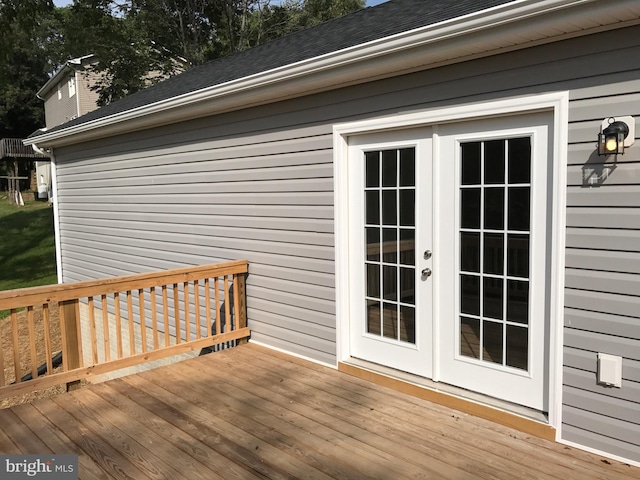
column 368, row 24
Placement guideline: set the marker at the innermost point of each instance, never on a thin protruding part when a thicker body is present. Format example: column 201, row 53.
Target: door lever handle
column 426, row 272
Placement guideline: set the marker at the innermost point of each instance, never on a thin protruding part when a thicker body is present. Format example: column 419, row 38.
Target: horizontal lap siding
column 257, row 184
column 149, row 207
column 602, row 276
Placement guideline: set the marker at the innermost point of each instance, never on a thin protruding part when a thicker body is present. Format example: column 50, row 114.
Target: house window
column 59, row 92
column 72, row 86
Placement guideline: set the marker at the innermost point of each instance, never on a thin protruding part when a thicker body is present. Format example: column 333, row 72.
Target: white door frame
column 558, row 103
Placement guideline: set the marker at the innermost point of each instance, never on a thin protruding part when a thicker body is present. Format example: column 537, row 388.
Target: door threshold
column 520, row 418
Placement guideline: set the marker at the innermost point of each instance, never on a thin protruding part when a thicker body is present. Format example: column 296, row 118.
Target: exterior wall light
column 616, row 134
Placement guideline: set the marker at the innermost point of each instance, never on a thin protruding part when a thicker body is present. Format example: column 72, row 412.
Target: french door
column 390, row 205
column 448, row 251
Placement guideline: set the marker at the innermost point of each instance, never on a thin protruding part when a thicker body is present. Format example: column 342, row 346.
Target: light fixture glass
column 611, row 140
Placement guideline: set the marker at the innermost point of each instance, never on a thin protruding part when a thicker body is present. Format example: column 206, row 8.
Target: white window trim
column 558, row 102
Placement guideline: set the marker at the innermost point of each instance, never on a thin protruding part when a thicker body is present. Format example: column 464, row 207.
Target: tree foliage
column 136, row 42
column 24, row 63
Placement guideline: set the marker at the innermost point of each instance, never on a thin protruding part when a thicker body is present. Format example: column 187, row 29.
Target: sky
column 62, row 3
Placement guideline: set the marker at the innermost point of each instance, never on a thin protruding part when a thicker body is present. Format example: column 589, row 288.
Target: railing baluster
column 2, row 381
column 105, row 328
column 165, row 311
column 187, row 316
column 196, row 294
column 32, row 342
column 119, row 333
column 1, row 358
column 92, row 327
column 207, row 304
column 176, row 311
column 47, row 338
column 132, row 337
column 143, row 321
column 216, row 289
column 154, row 317
column 239, row 305
column 16, row 344
column 227, row 307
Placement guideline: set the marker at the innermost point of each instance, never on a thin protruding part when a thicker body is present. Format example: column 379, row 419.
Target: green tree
column 24, row 63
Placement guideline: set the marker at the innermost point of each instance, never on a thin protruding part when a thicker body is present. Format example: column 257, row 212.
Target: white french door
column 492, row 303
column 448, row 253
column 390, row 216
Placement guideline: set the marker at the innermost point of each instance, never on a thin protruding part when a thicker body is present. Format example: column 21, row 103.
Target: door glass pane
column 470, row 292
column 407, row 207
column 372, row 166
column 407, row 167
column 390, row 282
column 494, row 161
column 517, row 301
column 493, row 253
column 407, row 246
column 494, row 208
column 372, row 207
column 519, row 208
column 470, row 208
column 494, row 297
column 492, row 341
column 471, row 163
column 470, row 337
column 518, row 255
column 373, row 280
column 520, row 160
column 389, row 207
column 470, row 252
column 373, row 317
column 389, row 168
column 407, row 324
column 517, row 347
column 408, row 286
column 390, row 320
column 389, row 245
column 372, row 245
column 390, row 248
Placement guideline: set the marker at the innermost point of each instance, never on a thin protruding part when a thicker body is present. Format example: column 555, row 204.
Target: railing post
column 240, row 301
column 71, row 346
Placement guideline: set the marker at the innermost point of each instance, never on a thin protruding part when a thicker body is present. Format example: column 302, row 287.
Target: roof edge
column 169, row 110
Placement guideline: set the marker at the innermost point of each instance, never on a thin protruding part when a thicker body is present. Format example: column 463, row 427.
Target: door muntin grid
column 390, row 233
column 494, row 234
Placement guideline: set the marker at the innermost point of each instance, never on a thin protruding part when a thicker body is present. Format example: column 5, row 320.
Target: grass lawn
column 27, row 246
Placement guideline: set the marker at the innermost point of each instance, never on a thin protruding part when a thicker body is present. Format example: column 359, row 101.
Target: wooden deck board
column 251, row 413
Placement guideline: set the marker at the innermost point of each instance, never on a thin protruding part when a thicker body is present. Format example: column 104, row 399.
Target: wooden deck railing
column 109, row 324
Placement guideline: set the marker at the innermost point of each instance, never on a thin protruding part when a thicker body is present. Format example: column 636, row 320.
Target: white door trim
column 558, row 102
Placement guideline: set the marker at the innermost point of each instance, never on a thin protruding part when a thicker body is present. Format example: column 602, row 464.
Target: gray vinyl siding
column 257, row 184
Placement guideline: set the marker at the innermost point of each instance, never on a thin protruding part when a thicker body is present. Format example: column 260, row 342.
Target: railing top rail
column 69, row 291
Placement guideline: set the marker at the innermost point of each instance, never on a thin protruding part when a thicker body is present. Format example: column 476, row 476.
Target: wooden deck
column 249, row 412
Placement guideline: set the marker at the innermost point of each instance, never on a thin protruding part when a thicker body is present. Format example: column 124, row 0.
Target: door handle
column 426, row 272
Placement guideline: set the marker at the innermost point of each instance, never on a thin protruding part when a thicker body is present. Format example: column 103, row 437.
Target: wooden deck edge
column 501, row 417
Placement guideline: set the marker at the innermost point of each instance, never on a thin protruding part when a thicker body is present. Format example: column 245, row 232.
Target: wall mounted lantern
column 615, row 135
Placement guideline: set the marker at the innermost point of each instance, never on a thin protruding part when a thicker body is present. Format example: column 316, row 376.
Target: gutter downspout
column 56, row 210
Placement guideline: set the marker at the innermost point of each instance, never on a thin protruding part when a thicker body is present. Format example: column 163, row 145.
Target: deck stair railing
column 114, row 323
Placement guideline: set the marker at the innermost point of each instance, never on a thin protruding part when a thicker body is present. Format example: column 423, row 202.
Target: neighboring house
column 418, row 191
column 66, row 95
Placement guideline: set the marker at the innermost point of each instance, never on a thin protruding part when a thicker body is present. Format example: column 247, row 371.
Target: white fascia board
column 396, row 53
